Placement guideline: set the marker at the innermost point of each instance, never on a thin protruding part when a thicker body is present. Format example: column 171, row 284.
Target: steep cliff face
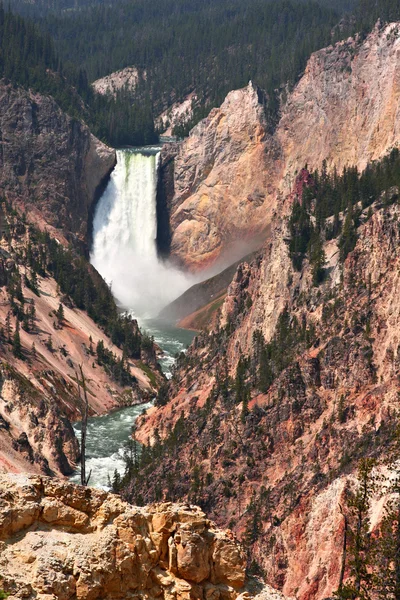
column 230, row 175
column 38, row 390
column 63, row 541
column 345, row 107
column 222, row 183
column 50, row 163
column 277, row 473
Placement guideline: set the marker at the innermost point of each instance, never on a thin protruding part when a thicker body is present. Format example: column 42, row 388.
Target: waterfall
column 124, row 247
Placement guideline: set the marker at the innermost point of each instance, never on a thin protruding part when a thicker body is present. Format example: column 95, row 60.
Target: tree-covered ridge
column 209, row 46
column 43, row 7
column 28, row 58
column 331, row 205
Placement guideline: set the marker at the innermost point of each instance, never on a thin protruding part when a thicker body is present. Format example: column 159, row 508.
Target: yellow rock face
column 63, row 541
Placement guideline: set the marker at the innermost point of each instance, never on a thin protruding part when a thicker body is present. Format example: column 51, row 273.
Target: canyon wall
column 50, row 163
column 279, row 473
column 222, row 183
column 38, row 388
column 288, row 463
column 231, row 175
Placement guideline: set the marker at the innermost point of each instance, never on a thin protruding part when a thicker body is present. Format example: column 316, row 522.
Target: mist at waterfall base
column 124, row 237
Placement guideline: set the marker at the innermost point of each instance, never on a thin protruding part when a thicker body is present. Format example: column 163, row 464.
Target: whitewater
column 125, row 237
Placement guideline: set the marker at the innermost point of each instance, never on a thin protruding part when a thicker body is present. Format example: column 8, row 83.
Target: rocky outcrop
column 63, row 541
column 231, row 175
column 50, row 163
column 126, row 79
column 35, row 434
column 222, row 182
column 180, row 113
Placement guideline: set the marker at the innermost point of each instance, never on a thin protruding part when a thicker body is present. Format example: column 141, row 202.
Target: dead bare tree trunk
column 84, row 408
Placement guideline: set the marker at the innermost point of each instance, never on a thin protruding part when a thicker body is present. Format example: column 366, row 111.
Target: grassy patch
column 146, row 369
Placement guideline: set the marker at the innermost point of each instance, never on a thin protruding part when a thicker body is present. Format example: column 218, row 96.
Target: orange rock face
column 231, row 174
column 222, row 184
column 297, row 451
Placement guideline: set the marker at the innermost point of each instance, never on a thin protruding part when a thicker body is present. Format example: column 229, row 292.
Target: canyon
column 52, row 171
column 38, row 392
column 274, row 472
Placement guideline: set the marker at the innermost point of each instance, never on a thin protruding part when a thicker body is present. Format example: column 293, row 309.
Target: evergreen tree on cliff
column 17, row 349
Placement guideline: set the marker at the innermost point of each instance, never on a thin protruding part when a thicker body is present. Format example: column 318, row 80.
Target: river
column 124, row 251
column 108, row 434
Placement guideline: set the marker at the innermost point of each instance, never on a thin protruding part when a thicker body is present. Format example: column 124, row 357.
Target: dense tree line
column 179, row 46
column 28, row 58
column 212, row 47
column 40, row 8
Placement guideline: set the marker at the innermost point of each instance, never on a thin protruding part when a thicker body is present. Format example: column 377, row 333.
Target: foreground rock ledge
column 59, row 540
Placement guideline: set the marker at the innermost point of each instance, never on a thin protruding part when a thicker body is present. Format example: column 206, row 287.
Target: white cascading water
column 124, row 237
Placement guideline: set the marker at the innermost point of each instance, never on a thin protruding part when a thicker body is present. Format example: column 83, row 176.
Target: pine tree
column 32, row 315
column 317, row 258
column 8, row 326
column 254, row 523
column 49, row 343
column 34, row 282
column 348, row 239
column 17, row 349
column 245, row 406
column 387, row 578
column 60, row 314
column 360, row 563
